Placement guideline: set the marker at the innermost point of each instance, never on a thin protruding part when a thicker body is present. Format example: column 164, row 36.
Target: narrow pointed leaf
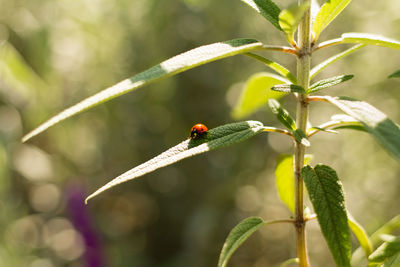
column 326, row 194
column 282, row 114
column 288, row 88
column 361, row 235
column 218, row 137
column 267, row 9
column 328, row 12
column 384, row 130
column 363, row 38
column 284, row 179
column 237, row 236
column 274, row 66
column 301, row 137
column 395, row 74
column 387, row 228
column 317, row 69
column 172, row 66
column 386, row 250
column 290, row 18
column 393, row 261
column 315, row 8
column 328, row 83
column 370, row 39
column 256, row 92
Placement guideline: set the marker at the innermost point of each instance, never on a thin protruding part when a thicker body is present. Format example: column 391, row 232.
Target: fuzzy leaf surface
column 328, row 83
column 367, row 39
column 274, row 66
column 256, row 92
column 288, row 88
column 384, row 130
column 328, row 12
column 284, row 179
column 237, row 236
column 282, row 114
column 317, row 69
column 172, row 66
column 218, row 137
column 268, row 9
column 326, row 194
column 290, row 18
column 386, row 250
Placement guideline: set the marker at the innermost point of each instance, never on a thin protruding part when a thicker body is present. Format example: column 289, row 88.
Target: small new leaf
column 218, row 137
column 267, row 9
column 395, row 74
column 284, row 179
column 328, row 83
column 301, row 137
column 237, row 236
column 328, row 12
column 317, row 69
column 256, row 92
column 326, row 195
column 361, row 235
column 290, row 18
column 282, row 114
column 274, row 66
column 288, row 88
column 386, row 250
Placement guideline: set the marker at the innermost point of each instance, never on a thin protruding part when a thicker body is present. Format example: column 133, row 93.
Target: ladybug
column 198, row 130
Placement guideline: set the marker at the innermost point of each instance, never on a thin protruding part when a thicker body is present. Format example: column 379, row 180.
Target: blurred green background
column 54, row 53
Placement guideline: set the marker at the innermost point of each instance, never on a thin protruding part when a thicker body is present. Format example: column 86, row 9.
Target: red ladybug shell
column 198, row 130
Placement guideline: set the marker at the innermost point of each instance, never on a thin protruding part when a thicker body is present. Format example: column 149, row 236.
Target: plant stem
column 303, row 78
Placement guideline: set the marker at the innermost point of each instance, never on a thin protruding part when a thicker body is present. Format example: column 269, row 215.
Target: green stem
column 303, row 78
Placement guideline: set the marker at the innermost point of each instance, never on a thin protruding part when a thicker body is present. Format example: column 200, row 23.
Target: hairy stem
column 303, row 78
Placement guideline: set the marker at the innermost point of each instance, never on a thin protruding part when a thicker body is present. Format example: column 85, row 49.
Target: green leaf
column 328, row 83
column 284, row 178
column 237, row 236
column 384, row 130
column 315, row 7
column 282, row 114
column 317, row 69
column 328, row 12
column 395, row 74
column 387, row 228
column 17, row 73
column 267, row 9
column 393, row 261
column 388, row 249
column 327, row 197
column 172, row 66
column 218, row 137
column 274, row 66
column 369, row 39
column 288, row 88
column 290, row 18
column 361, row 235
column 256, row 92
column 289, row 261
column 301, row 137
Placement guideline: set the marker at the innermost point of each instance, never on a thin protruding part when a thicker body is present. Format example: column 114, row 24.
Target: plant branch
column 277, row 130
column 303, row 78
column 328, row 43
column 279, row 48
